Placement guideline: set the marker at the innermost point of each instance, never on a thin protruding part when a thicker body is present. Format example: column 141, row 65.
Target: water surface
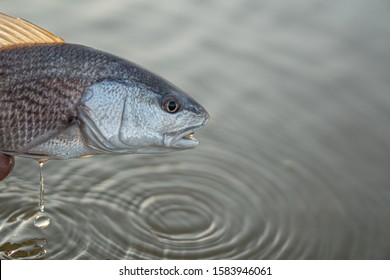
column 294, row 163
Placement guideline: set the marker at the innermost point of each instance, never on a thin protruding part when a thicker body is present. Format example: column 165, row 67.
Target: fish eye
column 170, row 104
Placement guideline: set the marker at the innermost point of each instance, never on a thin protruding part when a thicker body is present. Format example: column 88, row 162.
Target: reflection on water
column 293, row 164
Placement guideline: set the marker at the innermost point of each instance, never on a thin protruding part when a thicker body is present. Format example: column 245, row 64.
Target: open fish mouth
column 183, row 139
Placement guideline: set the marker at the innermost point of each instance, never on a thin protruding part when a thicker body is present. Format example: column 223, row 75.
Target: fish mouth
column 182, row 139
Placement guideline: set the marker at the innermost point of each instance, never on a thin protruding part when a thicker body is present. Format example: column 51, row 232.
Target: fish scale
column 44, row 100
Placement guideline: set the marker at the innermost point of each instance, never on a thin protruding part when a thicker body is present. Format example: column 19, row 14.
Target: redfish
column 61, row 101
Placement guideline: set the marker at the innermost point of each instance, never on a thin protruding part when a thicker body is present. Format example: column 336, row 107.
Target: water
column 294, row 163
column 41, row 220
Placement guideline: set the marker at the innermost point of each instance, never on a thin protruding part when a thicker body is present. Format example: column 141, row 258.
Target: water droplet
column 42, row 221
column 42, row 188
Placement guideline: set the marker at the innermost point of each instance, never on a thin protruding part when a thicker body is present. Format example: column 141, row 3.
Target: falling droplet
column 41, row 221
column 42, row 188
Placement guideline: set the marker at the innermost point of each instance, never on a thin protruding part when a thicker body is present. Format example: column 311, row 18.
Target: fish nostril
column 201, row 112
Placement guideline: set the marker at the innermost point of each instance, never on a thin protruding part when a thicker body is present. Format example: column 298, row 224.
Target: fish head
column 121, row 118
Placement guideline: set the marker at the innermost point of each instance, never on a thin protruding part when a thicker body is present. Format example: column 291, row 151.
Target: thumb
column 6, row 165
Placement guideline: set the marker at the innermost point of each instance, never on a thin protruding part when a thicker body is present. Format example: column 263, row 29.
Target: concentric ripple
column 169, row 208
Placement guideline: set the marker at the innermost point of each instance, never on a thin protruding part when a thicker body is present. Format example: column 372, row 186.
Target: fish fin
column 17, row 31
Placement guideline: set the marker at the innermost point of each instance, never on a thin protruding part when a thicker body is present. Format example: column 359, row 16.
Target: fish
column 60, row 100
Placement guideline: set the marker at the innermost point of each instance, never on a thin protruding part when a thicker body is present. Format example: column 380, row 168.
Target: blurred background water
column 294, row 164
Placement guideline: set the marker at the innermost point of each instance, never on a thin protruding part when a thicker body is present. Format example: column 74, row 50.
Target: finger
column 6, row 165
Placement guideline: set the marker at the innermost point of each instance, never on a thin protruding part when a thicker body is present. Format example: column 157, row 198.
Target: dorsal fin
column 17, row 31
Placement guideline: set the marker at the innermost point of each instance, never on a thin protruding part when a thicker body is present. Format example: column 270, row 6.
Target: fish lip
column 177, row 139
